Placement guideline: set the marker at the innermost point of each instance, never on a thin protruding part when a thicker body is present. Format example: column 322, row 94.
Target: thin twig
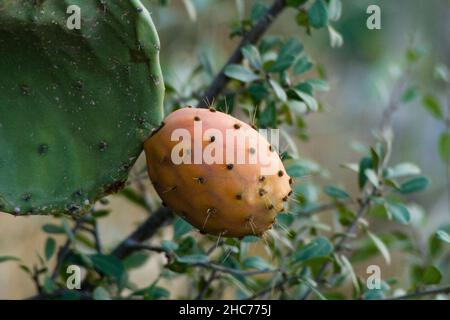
column 252, row 37
column 64, row 251
column 425, row 292
column 207, row 284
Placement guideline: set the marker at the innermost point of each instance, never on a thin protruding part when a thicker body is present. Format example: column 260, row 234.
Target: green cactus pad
column 75, row 105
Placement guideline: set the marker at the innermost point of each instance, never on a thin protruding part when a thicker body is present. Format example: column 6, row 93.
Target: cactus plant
column 230, row 198
column 75, row 105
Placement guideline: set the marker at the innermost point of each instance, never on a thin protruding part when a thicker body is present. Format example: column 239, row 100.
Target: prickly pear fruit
column 226, row 198
column 75, row 104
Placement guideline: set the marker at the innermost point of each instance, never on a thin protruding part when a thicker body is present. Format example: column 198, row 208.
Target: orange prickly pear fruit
column 199, row 172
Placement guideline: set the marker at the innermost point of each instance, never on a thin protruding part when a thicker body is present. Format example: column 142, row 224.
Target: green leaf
column 302, row 65
column 251, row 53
column 257, row 12
column 49, row 285
column 409, row 95
column 398, row 211
column 401, row 170
column 311, row 284
column 297, row 106
column 101, row 293
column 414, row 185
column 444, row 146
column 297, row 168
column 286, row 56
column 336, row 192
column 348, row 266
column 308, row 99
column 193, row 258
column 443, row 236
column 153, row 292
column 279, row 91
column 50, row 246
column 319, row 247
column 433, row 106
column 135, row 260
column 334, row 10
column 268, row 117
column 256, row 262
column 441, row 73
column 364, row 164
column 100, row 213
column 181, row 227
column 372, row 177
column 169, row 245
column 241, row 73
column 318, row 84
column 318, row 14
column 53, row 229
column 336, row 39
column 8, row 258
column 251, row 239
column 432, row 275
column 108, row 265
column 381, row 247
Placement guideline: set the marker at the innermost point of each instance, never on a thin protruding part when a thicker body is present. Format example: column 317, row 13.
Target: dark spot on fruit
column 201, row 180
column 291, row 181
column 271, row 207
column 239, row 196
column 236, row 126
column 103, row 145
column 280, row 173
column 230, row 166
column 189, row 107
column 212, row 109
column 290, row 193
column 163, row 204
column 270, row 147
column 211, row 211
column 254, row 127
column 43, row 148
column 262, row 192
column 285, row 198
column 26, row 197
column 196, row 118
column 252, row 150
column 212, row 139
column 262, row 178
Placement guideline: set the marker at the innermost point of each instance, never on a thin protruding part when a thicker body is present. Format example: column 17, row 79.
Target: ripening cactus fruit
column 76, row 105
column 226, row 198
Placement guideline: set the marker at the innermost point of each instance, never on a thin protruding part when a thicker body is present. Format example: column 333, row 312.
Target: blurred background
column 361, row 75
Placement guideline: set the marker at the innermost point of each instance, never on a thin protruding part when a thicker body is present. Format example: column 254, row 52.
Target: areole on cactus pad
column 230, row 198
column 75, row 105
